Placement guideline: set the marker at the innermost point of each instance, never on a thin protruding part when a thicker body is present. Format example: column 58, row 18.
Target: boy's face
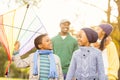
column 46, row 43
column 82, row 38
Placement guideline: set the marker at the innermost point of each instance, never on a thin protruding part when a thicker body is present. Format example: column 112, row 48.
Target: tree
column 3, row 59
column 108, row 12
column 118, row 25
column 116, row 34
column 118, row 18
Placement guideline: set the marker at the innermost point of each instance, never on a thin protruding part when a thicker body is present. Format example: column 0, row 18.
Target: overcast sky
column 52, row 11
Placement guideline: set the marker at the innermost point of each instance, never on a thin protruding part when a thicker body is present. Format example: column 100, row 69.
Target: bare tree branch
column 96, row 7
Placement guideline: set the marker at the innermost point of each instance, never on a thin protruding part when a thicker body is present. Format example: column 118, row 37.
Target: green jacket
column 64, row 48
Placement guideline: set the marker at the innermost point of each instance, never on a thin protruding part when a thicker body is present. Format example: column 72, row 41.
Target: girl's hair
column 38, row 40
column 102, row 43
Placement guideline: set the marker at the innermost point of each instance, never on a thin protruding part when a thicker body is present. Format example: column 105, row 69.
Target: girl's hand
column 16, row 45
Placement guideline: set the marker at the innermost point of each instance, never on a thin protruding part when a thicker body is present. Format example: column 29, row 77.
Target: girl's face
column 82, row 38
column 100, row 32
column 46, row 43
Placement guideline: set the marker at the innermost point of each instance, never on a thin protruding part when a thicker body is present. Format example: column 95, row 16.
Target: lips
column 65, row 29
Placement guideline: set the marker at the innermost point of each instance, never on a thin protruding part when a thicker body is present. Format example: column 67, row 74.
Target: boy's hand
column 16, row 45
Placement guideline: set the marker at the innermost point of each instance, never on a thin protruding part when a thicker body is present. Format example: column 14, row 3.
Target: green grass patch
column 12, row 79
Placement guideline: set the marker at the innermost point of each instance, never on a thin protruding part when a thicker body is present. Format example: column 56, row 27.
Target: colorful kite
column 22, row 25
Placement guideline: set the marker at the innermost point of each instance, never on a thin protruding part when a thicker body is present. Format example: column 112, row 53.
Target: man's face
column 64, row 27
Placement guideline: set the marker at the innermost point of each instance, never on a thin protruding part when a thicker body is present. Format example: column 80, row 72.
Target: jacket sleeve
column 100, row 67
column 59, row 68
column 21, row 63
column 71, row 69
column 113, row 62
column 75, row 46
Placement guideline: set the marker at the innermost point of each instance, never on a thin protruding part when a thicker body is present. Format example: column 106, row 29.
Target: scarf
column 53, row 71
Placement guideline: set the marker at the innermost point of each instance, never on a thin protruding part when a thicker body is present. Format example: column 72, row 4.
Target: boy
column 44, row 65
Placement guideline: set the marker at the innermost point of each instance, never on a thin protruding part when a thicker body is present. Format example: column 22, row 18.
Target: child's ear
column 40, row 46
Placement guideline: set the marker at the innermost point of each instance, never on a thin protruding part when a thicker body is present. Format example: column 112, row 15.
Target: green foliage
column 14, row 72
column 28, row 53
column 3, row 59
column 17, row 72
column 2, row 78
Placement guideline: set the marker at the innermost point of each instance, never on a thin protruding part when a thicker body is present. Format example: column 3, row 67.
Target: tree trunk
column 118, row 4
column 108, row 12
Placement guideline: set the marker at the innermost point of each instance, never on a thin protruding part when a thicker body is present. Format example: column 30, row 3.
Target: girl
column 109, row 51
column 86, row 63
column 44, row 65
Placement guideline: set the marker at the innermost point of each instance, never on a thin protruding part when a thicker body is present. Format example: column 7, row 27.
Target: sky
column 79, row 12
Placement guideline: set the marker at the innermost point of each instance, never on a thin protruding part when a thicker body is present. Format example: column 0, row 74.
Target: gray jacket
column 86, row 64
column 28, row 62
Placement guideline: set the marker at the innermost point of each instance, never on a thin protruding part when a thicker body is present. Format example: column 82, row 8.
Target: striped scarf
column 53, row 71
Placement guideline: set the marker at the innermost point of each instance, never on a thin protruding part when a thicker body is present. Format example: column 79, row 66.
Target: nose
column 78, row 37
column 50, row 42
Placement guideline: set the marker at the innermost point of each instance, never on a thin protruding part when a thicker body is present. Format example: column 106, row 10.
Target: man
column 64, row 45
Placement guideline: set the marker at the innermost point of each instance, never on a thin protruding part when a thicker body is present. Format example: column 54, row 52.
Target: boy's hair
column 38, row 40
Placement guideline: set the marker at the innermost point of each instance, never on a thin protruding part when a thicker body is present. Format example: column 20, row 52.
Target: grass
column 1, row 78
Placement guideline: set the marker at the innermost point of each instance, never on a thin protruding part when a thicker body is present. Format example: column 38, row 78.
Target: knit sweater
column 28, row 62
column 64, row 48
column 86, row 64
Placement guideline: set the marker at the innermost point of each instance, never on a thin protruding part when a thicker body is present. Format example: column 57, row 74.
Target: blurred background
column 81, row 13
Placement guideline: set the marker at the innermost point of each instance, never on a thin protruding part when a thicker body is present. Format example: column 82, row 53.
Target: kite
column 23, row 25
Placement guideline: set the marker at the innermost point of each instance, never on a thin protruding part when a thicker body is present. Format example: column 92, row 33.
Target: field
column 12, row 79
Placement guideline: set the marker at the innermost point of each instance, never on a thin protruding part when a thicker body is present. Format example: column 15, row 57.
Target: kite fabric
column 23, row 25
